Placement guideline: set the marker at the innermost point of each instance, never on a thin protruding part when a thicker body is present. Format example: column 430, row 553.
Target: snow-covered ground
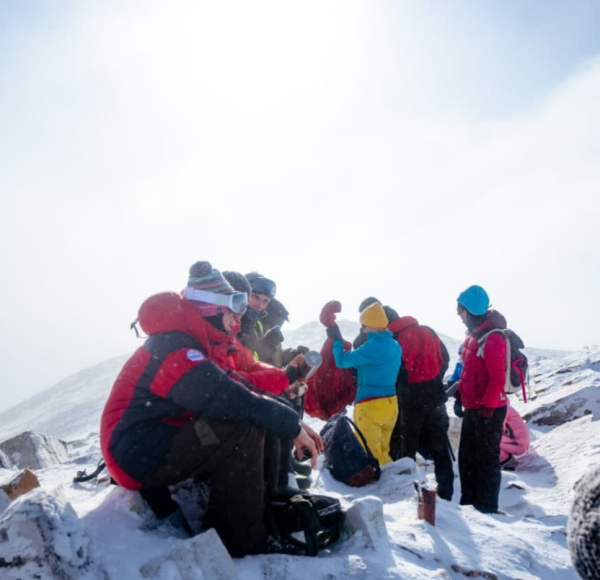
column 529, row 542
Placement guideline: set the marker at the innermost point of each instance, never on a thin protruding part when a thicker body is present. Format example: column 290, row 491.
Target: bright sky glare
column 399, row 149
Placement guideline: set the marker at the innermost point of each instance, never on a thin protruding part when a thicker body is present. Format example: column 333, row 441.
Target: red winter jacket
column 482, row 379
column 177, row 376
column 422, row 358
column 168, row 312
column 330, row 389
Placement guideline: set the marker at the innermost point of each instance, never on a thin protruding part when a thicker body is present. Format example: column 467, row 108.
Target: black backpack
column 349, row 461
column 320, row 518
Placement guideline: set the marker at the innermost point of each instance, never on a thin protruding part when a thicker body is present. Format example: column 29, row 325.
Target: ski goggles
column 236, row 302
column 264, row 286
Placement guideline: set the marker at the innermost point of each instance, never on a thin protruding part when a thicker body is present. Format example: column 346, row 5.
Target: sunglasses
column 264, row 286
column 236, row 302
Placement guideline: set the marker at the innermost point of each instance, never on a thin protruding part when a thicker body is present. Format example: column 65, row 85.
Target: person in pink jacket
column 515, row 440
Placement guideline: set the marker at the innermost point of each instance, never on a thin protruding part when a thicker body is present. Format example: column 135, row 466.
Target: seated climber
column 515, row 439
column 181, row 408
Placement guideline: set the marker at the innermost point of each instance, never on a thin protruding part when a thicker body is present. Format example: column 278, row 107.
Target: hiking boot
column 509, row 464
column 177, row 522
column 278, row 545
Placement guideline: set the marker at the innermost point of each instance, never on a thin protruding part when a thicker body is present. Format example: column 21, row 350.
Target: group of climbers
column 418, row 412
column 210, row 396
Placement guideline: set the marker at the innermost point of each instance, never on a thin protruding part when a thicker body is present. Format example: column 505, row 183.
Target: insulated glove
column 458, row 410
column 293, row 373
column 334, row 332
column 327, row 316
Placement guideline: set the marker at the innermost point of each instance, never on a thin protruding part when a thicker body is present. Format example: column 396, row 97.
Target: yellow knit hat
column 374, row 316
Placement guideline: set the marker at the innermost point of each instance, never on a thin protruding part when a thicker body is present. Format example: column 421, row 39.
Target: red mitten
column 327, row 316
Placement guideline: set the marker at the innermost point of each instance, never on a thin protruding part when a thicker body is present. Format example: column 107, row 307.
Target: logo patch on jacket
column 195, row 355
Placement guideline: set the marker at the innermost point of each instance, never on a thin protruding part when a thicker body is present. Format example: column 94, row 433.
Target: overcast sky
column 399, row 149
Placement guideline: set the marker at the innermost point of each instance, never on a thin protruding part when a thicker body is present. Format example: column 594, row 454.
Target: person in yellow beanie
column 377, row 362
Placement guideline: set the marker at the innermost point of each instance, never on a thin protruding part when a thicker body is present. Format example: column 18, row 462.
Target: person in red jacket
column 423, row 422
column 481, row 391
column 177, row 410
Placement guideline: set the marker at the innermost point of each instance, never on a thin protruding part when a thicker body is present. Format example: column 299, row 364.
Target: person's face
column 258, row 302
column 232, row 322
column 462, row 312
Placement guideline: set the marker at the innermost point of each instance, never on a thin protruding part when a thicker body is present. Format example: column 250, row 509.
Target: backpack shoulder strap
column 481, row 341
column 481, row 345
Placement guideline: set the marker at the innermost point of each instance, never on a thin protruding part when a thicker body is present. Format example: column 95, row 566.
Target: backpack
column 320, row 517
column 348, row 460
column 517, row 365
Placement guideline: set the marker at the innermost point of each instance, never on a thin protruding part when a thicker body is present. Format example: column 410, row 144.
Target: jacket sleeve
column 262, row 375
column 494, row 354
column 355, row 358
column 207, row 391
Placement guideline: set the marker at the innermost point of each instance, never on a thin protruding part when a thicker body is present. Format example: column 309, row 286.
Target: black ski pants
column 231, row 457
column 479, row 459
column 422, row 427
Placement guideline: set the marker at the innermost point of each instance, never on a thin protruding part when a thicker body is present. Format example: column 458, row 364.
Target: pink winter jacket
column 515, row 438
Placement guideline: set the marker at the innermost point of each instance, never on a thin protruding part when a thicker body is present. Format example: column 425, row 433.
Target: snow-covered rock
column 24, row 482
column 366, row 515
column 42, row 537
column 4, row 502
column 35, row 450
column 5, row 462
column 203, row 557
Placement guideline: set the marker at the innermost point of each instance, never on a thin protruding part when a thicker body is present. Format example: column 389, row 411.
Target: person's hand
column 486, row 412
column 327, row 316
column 296, row 389
column 334, row 333
column 458, row 410
column 314, row 436
column 302, row 441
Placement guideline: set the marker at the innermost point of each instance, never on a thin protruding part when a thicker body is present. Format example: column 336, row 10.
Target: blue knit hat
column 475, row 300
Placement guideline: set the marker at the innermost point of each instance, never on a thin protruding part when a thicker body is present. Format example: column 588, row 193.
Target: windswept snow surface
column 529, row 542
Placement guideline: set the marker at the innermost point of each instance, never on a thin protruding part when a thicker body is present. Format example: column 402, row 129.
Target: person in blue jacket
column 377, row 361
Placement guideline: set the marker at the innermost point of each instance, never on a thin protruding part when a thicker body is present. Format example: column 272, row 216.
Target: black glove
column 334, row 333
column 293, row 373
column 274, row 336
column 458, row 410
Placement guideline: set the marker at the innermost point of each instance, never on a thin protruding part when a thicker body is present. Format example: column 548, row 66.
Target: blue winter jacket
column 378, row 362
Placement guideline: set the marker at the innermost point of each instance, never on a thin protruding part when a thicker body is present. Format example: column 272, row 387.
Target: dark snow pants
column 479, row 459
column 422, row 427
column 231, row 457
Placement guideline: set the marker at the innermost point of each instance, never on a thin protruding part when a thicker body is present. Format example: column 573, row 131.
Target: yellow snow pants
column 376, row 419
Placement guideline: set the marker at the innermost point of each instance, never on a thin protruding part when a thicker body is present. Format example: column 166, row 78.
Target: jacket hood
column 169, row 312
column 494, row 321
column 401, row 323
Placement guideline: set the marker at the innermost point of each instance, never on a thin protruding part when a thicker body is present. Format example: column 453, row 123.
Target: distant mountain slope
column 69, row 409
column 72, row 408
